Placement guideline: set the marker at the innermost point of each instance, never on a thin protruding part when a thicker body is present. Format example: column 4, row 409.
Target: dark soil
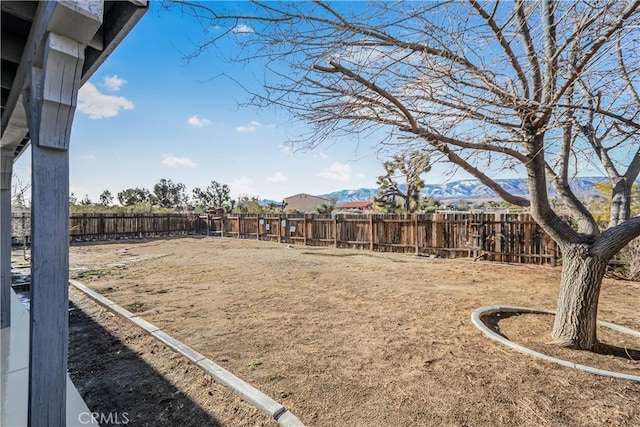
column 129, row 377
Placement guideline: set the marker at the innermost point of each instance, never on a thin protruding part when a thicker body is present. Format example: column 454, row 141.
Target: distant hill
column 468, row 189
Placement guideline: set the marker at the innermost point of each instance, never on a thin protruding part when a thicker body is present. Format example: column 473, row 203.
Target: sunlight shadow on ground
column 113, row 379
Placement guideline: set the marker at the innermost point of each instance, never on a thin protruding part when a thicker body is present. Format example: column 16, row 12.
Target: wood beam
column 50, row 105
column 54, row 92
column 6, row 170
column 22, row 9
column 12, row 45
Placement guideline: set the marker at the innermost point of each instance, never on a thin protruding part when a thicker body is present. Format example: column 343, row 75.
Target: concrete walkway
column 15, row 375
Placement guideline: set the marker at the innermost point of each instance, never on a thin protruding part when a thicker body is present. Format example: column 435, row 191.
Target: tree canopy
column 133, row 196
column 216, row 195
column 168, row 194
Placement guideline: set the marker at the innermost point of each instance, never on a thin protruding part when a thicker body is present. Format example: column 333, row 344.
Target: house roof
column 310, row 195
column 357, row 205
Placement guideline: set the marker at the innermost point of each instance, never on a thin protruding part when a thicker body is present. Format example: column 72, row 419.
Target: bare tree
column 18, row 194
column 548, row 87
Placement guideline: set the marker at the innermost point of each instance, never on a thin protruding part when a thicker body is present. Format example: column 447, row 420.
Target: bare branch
column 505, row 45
column 629, row 11
column 612, row 240
column 337, row 68
column 626, row 77
column 586, row 222
column 549, row 28
column 531, row 52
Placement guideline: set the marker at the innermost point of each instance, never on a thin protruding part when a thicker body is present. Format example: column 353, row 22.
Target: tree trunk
column 575, row 321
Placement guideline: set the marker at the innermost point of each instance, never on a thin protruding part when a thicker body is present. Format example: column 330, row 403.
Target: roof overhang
column 25, row 26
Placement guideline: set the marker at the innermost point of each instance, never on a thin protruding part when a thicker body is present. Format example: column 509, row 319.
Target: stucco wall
column 304, row 202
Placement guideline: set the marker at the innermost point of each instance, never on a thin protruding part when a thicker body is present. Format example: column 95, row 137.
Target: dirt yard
column 356, row 338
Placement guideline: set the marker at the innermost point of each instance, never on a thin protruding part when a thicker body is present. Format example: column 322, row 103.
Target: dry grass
column 358, row 338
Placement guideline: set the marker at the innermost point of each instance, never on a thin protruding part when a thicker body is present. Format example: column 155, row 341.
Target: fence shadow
column 116, row 382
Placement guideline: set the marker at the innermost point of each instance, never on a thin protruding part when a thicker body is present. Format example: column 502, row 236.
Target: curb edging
column 223, row 377
column 479, row 313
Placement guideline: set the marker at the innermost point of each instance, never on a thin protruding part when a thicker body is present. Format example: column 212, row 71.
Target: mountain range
column 469, row 190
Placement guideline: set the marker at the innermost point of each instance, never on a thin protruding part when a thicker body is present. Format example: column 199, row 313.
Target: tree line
column 168, row 196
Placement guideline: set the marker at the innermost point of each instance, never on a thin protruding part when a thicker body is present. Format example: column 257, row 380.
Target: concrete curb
column 246, row 391
column 479, row 313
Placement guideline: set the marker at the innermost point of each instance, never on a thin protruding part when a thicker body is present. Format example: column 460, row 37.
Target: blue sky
column 148, row 114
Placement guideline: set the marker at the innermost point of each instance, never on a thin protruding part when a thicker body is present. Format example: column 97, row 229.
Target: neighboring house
column 357, row 206
column 304, row 202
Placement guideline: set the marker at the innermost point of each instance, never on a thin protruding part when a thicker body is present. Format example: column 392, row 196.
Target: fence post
column 415, row 225
column 434, row 231
column 370, row 232
column 335, row 232
column 528, row 240
column 497, row 235
column 238, row 224
column 222, row 226
column 304, row 229
column 279, row 228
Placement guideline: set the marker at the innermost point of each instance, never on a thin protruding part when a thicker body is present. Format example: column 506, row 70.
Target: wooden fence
column 496, row 237
column 87, row 227
column 490, row 236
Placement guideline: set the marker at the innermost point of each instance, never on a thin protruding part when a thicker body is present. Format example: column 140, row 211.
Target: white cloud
column 97, row 105
column 320, row 156
column 113, row 83
column 174, row 161
column 361, row 176
column 245, row 129
column 88, row 157
column 251, row 127
column 242, row 29
column 241, row 186
column 277, row 177
column 287, row 150
column 337, row 172
column 198, row 121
